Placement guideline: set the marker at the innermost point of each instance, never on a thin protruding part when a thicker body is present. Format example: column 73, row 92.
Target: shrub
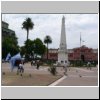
column 52, row 70
column 3, row 73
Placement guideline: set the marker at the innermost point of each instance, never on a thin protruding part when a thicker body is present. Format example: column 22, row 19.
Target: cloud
column 50, row 24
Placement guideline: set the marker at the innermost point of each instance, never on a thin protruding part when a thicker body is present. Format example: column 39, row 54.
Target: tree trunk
column 27, row 57
column 27, row 34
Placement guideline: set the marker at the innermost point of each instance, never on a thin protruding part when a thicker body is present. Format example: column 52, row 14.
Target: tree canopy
column 33, row 47
column 47, row 40
column 9, row 45
column 27, row 25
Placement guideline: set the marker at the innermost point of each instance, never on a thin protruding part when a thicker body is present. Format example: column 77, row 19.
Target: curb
column 58, row 81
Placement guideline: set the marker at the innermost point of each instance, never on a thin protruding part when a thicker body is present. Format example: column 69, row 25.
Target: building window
column 65, row 61
column 71, row 55
column 62, row 61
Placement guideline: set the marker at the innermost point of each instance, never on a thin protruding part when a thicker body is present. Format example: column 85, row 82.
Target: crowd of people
column 19, row 63
column 20, row 66
column 37, row 63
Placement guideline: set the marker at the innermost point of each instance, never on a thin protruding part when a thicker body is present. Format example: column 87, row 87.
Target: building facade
column 84, row 53
column 6, row 31
column 9, row 41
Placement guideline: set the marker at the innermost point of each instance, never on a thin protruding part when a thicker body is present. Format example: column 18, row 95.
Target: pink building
column 84, row 53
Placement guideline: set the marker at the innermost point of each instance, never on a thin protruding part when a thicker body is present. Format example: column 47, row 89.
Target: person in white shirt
column 21, row 68
column 65, row 67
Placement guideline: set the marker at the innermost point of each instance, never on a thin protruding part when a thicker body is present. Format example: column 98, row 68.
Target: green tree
column 22, row 50
column 40, row 48
column 33, row 47
column 27, row 25
column 9, row 44
column 29, row 47
column 47, row 40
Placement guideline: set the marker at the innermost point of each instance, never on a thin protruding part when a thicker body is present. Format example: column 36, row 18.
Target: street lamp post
column 82, row 59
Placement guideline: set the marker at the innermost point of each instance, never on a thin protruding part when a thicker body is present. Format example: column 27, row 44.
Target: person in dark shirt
column 38, row 64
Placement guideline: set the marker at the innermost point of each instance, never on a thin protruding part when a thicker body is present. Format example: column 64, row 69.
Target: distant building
column 84, row 53
column 6, row 31
column 75, row 54
column 9, row 41
column 52, row 54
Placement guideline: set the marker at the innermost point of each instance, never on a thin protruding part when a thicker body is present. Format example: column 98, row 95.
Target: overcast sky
column 50, row 24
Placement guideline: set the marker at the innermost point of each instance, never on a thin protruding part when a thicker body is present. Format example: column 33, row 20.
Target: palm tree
column 47, row 40
column 28, row 25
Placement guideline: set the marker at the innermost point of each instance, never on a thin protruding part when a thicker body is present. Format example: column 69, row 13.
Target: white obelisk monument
column 62, row 52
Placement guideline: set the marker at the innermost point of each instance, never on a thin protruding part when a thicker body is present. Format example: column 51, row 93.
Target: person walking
column 38, row 64
column 21, row 68
column 65, row 68
column 32, row 63
column 89, row 65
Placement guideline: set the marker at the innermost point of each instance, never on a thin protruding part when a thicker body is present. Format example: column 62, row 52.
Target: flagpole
column 80, row 49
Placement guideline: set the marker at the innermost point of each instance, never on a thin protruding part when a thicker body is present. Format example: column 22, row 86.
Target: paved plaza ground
column 42, row 77
column 30, row 77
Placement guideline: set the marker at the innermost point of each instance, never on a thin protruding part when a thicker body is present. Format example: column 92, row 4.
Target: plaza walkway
column 75, row 76
column 78, row 77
